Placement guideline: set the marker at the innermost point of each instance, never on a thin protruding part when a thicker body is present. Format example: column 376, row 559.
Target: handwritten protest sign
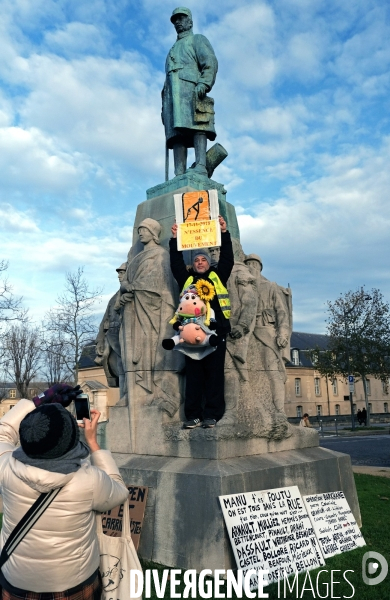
column 197, row 218
column 333, row 523
column 112, row 519
column 271, row 530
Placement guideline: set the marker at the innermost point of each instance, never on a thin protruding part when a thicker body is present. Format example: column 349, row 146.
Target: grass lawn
column 374, row 499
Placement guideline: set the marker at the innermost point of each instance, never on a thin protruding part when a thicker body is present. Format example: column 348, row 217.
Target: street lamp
column 345, row 314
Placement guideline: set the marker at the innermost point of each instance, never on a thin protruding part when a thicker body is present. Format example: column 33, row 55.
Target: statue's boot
column 180, row 158
column 200, row 146
column 232, row 392
column 278, row 389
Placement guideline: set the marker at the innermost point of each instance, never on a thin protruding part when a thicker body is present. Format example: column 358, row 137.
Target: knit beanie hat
column 203, row 253
column 48, row 432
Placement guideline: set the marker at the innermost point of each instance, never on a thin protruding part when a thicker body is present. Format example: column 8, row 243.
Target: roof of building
column 308, row 341
column 88, row 356
column 95, row 385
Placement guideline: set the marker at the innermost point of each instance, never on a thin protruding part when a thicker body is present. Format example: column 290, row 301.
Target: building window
column 317, row 386
column 368, row 387
column 12, row 394
column 385, row 407
column 354, row 409
column 337, row 409
column 32, row 393
column 295, row 357
column 297, row 386
column 334, row 386
column 385, row 386
column 299, row 412
column 370, row 407
column 319, row 410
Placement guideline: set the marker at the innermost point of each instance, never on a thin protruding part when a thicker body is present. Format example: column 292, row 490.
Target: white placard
column 271, row 530
column 333, row 523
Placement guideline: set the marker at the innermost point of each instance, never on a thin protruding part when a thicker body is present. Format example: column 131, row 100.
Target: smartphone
column 82, row 408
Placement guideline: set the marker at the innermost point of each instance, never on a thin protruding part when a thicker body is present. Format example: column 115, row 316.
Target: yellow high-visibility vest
column 220, row 290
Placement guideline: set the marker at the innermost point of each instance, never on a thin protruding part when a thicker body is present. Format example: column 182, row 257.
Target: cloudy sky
column 302, row 105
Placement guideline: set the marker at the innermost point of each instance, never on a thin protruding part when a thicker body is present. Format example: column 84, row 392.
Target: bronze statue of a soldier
column 187, row 112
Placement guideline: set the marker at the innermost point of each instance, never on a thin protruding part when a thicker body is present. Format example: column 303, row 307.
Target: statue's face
column 254, row 266
column 215, row 252
column 182, row 23
column 145, row 236
column 200, row 264
column 121, row 275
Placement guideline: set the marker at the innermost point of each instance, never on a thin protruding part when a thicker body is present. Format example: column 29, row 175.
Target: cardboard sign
column 333, row 523
column 112, row 519
column 197, row 218
column 271, row 530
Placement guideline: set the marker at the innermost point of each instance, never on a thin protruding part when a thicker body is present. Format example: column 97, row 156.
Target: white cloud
column 29, row 160
column 78, row 38
column 13, row 221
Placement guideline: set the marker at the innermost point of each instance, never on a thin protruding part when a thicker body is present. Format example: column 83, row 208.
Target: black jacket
column 223, row 270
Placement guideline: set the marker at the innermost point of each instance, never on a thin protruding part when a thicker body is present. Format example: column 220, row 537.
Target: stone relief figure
column 108, row 349
column 272, row 330
column 243, row 297
column 147, row 302
column 187, row 112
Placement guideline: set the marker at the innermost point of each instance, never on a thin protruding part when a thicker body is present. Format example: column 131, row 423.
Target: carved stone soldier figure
column 187, row 112
column 272, row 330
column 243, row 297
column 108, row 352
column 147, row 303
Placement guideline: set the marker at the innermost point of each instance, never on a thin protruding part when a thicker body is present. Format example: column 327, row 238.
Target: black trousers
column 205, row 385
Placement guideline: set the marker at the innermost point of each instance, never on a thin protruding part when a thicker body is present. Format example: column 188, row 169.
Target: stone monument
column 253, row 447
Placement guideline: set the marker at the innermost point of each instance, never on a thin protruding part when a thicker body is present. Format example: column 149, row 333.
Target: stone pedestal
column 160, row 205
column 184, row 526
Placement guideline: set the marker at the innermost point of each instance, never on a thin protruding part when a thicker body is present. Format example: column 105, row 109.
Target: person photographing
column 60, row 554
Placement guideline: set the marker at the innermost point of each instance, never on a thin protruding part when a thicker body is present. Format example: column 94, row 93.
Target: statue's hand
column 128, row 297
column 100, row 349
column 237, row 332
column 281, row 341
column 201, row 90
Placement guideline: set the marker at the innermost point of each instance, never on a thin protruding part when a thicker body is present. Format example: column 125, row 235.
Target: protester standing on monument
column 187, row 112
column 59, row 557
column 206, row 377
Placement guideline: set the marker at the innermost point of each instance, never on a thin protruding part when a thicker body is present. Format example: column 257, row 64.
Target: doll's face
column 191, row 304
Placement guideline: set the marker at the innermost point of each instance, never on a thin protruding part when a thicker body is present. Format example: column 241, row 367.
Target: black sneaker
column 192, row 424
column 208, row 423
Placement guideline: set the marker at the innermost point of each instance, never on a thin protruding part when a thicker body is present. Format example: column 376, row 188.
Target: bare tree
column 10, row 306
column 55, row 359
column 72, row 319
column 22, row 355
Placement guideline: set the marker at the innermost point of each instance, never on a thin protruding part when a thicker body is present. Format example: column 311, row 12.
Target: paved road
column 365, row 450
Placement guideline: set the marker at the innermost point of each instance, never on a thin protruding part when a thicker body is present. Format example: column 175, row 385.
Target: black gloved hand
column 213, row 325
column 176, row 325
column 60, row 393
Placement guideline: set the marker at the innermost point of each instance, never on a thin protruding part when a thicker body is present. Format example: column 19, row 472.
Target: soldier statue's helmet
column 181, row 10
column 250, row 257
column 123, row 267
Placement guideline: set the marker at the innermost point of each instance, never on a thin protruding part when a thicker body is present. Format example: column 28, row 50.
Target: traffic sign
column 351, row 381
